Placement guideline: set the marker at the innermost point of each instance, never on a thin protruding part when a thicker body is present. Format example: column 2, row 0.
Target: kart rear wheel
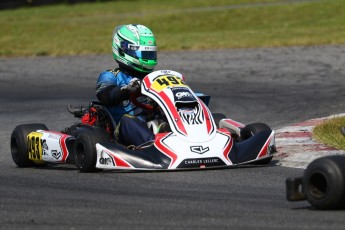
column 324, row 182
column 19, row 143
column 85, row 148
column 251, row 130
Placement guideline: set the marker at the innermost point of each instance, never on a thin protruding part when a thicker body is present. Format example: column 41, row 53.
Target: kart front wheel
column 19, row 143
column 217, row 117
column 251, row 130
column 85, row 148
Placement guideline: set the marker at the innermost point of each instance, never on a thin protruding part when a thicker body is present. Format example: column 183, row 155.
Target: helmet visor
column 137, row 51
column 150, row 55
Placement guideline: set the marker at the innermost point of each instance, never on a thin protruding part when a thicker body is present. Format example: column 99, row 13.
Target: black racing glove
column 133, row 86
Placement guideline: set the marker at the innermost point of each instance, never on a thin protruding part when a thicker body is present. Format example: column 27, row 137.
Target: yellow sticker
column 35, row 146
column 162, row 82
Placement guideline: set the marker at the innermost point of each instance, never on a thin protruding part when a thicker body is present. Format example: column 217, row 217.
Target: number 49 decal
column 162, row 82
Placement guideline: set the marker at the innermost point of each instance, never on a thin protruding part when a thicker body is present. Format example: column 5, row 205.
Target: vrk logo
column 199, row 149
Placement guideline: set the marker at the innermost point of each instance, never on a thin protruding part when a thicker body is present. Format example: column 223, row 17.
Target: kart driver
column 135, row 51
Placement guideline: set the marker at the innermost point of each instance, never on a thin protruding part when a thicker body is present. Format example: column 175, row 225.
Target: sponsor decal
column 54, row 136
column 106, row 161
column 56, row 154
column 44, row 147
column 201, row 162
column 108, row 158
column 180, row 95
column 149, row 48
column 183, row 94
column 199, row 149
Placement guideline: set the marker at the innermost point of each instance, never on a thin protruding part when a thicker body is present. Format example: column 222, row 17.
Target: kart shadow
column 57, row 167
column 72, row 167
column 311, row 208
column 304, row 208
column 187, row 170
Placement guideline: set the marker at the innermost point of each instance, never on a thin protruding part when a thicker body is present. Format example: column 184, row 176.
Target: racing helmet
column 134, row 46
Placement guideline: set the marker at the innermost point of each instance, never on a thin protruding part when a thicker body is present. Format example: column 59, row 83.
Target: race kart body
column 196, row 138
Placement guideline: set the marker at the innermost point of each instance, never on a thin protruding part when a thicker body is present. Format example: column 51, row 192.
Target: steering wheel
column 134, row 100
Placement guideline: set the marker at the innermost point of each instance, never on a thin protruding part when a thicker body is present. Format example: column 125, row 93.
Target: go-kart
column 195, row 138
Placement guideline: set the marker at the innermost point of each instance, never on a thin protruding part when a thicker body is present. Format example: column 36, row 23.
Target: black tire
column 217, row 117
column 85, row 148
column 252, row 129
column 19, row 143
column 324, row 182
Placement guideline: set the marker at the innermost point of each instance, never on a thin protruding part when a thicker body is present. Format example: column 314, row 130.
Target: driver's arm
column 107, row 90
column 111, row 94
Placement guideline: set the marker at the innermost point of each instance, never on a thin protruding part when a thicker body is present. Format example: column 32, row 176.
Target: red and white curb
column 296, row 146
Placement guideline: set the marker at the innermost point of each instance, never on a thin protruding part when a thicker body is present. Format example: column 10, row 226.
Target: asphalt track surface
column 275, row 86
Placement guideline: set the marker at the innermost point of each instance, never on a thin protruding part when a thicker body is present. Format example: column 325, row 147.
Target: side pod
column 252, row 148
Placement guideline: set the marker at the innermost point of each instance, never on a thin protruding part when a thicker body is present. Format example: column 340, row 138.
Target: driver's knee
column 133, row 131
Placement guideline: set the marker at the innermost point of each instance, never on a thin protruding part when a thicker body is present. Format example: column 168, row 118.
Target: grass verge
column 178, row 25
column 330, row 134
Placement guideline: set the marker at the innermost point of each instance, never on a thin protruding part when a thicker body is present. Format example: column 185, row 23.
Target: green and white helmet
column 135, row 47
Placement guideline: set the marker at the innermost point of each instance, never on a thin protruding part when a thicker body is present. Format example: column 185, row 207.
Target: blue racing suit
column 131, row 125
